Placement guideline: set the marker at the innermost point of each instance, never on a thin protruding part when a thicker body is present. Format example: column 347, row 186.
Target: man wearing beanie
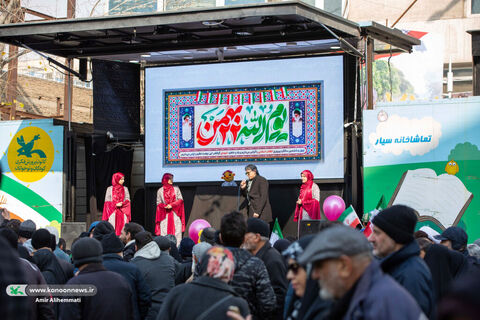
column 157, row 268
column 44, row 258
column 101, row 229
column 113, row 261
column 393, row 242
column 25, row 232
column 113, row 299
column 257, row 242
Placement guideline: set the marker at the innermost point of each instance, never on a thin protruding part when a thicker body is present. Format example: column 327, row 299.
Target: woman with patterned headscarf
column 116, row 209
column 208, row 296
column 170, row 217
column 308, row 203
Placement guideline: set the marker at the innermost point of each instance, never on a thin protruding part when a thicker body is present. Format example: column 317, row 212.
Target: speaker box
column 308, row 227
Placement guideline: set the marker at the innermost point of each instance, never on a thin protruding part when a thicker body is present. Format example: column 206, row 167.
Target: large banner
column 32, row 171
column 243, row 124
column 426, row 155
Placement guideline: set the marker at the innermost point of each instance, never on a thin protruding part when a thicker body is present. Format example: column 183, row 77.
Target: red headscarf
column 168, row 190
column 170, row 198
column 312, row 206
column 118, row 192
column 110, row 207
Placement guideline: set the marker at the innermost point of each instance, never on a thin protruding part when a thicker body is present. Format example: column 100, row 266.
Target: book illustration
column 441, row 199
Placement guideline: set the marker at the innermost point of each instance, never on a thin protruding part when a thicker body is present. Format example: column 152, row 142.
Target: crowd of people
column 236, row 273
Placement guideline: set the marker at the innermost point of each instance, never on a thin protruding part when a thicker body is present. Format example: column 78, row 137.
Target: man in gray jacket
column 157, row 268
column 344, row 268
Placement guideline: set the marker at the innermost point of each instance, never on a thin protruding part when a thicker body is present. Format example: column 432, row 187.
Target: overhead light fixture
column 212, row 23
column 146, row 55
column 335, row 47
column 243, row 33
column 274, row 51
column 133, row 61
column 188, row 57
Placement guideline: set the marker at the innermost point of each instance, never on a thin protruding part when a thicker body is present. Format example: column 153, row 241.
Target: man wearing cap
column 346, row 272
column 25, row 232
column 113, row 299
column 257, row 243
column 455, row 238
column 393, row 242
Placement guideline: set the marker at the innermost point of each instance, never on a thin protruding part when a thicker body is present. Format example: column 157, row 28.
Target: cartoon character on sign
column 297, row 123
column 186, row 128
column 451, row 167
column 228, row 176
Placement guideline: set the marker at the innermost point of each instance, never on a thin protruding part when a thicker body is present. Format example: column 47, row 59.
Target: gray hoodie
column 158, row 270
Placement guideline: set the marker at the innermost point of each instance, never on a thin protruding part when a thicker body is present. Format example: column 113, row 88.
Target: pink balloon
column 333, row 207
column 195, row 228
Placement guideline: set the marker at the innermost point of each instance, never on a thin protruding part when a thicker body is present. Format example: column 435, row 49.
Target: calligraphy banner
column 276, row 123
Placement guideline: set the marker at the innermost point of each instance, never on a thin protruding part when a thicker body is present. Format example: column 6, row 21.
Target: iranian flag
column 230, row 99
column 284, row 92
column 350, row 218
column 219, row 98
column 369, row 216
column 276, row 232
column 209, row 97
column 263, row 96
column 273, row 93
column 199, row 96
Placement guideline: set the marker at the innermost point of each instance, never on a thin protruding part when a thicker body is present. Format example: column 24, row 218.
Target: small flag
column 199, row 96
column 230, row 99
column 263, row 96
column 219, row 98
column 209, row 97
column 273, row 94
column 350, row 218
column 276, row 232
column 367, row 217
column 284, row 92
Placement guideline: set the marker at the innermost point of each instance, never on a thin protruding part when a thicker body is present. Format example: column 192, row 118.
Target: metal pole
column 369, row 67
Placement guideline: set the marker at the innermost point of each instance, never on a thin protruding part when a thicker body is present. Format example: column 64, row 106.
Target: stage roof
column 288, row 28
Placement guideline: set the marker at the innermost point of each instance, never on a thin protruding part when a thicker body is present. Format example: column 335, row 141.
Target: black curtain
column 101, row 165
column 118, row 159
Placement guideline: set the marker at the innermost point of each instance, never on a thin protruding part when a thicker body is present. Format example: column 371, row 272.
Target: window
column 475, row 6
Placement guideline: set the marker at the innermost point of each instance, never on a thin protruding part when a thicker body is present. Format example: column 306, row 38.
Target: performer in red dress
column 170, row 218
column 308, row 203
column 116, row 209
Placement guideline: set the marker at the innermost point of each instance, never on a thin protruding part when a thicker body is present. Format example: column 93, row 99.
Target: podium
column 211, row 203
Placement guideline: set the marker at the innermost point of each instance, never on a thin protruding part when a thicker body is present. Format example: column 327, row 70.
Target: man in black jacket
column 251, row 279
column 255, row 190
column 157, row 268
column 113, row 299
column 129, row 232
column 393, row 242
column 257, row 243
